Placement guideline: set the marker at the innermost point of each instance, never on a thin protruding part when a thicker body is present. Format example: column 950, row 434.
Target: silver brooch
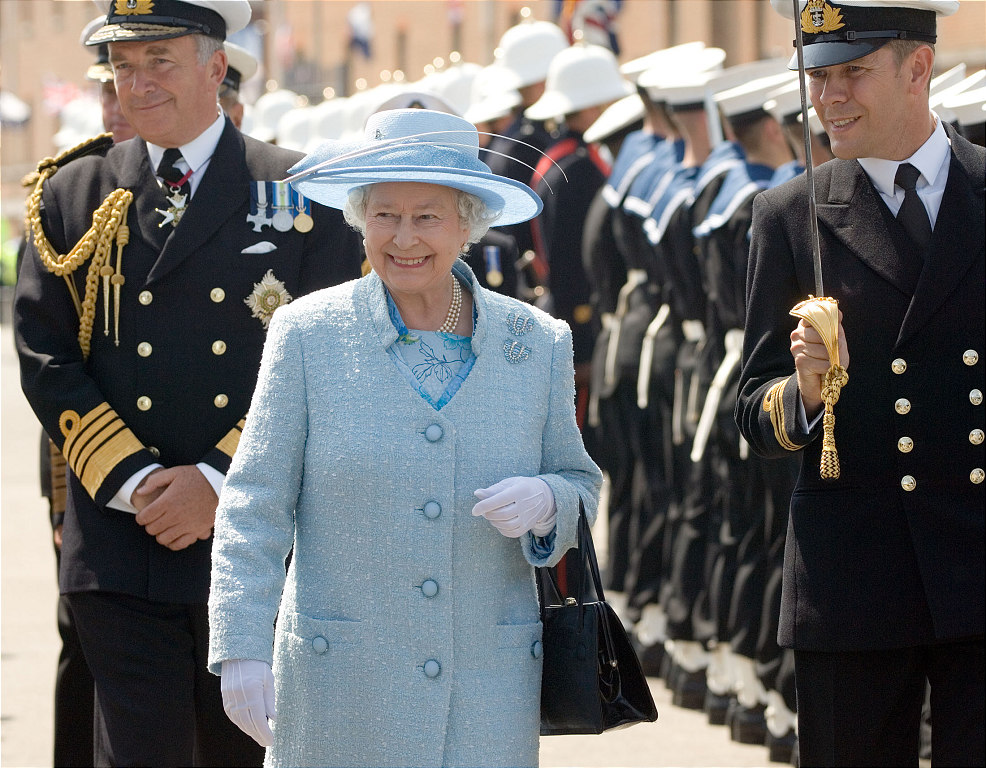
column 519, row 324
column 268, row 295
column 515, row 352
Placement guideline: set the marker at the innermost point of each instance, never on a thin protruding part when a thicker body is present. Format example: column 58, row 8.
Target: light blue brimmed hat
column 412, row 145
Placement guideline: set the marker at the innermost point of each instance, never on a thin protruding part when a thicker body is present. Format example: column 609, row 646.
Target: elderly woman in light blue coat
column 412, row 444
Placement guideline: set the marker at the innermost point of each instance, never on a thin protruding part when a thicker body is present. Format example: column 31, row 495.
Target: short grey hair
column 472, row 211
column 205, row 46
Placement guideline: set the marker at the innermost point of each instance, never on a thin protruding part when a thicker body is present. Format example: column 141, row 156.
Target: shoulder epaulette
column 87, row 147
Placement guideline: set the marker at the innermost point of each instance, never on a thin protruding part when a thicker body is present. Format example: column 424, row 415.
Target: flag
column 595, row 19
column 360, row 20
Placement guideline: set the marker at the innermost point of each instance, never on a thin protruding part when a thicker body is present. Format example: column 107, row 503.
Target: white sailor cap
column 968, row 107
column 618, row 116
column 747, row 100
column 634, row 68
column 242, row 65
column 784, row 103
column 100, row 71
column 678, row 69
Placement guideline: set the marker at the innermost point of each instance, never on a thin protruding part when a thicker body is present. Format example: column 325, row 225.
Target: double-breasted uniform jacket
column 408, row 632
column 174, row 385
column 891, row 553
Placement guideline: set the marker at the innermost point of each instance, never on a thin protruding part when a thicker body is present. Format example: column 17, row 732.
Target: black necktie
column 174, row 179
column 913, row 216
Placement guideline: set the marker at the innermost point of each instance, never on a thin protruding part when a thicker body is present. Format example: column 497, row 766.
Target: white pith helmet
column 525, row 52
column 581, row 76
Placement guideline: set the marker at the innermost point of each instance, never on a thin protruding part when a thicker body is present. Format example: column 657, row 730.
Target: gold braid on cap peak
column 823, row 315
column 109, row 225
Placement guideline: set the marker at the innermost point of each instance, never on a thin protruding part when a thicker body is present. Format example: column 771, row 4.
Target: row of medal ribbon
column 275, row 204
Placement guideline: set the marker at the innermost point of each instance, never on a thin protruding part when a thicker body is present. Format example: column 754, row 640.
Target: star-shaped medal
column 174, row 213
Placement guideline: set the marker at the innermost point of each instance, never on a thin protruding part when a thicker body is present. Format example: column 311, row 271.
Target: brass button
column 144, row 403
column 144, row 349
column 975, row 397
column 145, row 297
column 977, row 475
column 154, row 451
column 218, row 347
column 899, row 365
column 902, row 406
column 220, row 401
column 905, row 445
column 908, row 483
column 970, row 357
column 217, row 294
column 976, row 437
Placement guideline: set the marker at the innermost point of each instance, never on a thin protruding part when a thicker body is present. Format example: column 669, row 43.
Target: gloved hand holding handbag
column 517, row 505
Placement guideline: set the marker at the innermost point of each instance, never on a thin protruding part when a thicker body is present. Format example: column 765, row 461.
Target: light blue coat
column 408, row 631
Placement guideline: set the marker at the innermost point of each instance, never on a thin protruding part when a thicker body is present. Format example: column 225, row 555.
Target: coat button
column 220, row 401
column 434, row 433
column 975, row 397
column 218, row 347
column 432, row 668
column 320, row 645
column 908, row 483
column 432, row 510
column 429, row 588
column 144, row 349
column 537, row 650
column 217, row 295
column 155, row 452
column 902, row 406
column 145, row 297
column 977, row 475
column 976, row 437
column 144, row 403
column 970, row 357
column 905, row 445
column 899, row 365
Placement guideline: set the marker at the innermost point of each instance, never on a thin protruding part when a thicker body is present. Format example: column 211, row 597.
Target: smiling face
column 413, row 237
column 871, row 107
column 165, row 93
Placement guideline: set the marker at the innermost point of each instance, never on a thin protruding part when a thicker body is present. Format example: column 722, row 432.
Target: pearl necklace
column 452, row 317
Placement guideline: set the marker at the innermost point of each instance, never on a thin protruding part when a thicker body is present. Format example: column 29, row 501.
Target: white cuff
column 121, row 501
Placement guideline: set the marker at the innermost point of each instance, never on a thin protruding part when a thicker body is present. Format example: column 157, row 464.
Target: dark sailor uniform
column 177, row 330
column 890, row 554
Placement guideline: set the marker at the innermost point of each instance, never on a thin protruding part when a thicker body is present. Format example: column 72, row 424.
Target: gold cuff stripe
column 96, row 444
column 774, row 403
column 231, row 441
column 59, row 491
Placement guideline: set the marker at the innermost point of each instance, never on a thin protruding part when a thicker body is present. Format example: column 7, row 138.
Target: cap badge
column 268, row 295
column 818, row 16
column 134, row 7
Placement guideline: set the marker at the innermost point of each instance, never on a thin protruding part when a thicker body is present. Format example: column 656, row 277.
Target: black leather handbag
column 592, row 681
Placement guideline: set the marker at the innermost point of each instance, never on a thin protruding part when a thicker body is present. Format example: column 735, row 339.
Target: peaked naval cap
column 838, row 32
column 143, row 20
column 412, row 145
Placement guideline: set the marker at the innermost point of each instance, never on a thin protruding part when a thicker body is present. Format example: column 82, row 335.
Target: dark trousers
column 156, row 703
column 864, row 708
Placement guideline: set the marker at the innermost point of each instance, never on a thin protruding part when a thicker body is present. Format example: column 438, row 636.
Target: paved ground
column 29, row 641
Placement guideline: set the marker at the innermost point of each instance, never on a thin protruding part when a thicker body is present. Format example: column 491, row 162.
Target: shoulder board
column 95, row 144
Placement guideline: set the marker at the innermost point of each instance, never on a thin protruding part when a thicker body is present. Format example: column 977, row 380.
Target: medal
column 174, row 213
column 258, row 206
column 494, row 275
column 282, row 219
column 303, row 221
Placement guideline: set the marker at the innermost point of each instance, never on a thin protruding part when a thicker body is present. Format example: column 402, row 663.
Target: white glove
column 517, row 505
column 248, row 697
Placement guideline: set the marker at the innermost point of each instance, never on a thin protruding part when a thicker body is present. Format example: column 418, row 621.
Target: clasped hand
column 177, row 506
column 248, row 697
column 517, row 505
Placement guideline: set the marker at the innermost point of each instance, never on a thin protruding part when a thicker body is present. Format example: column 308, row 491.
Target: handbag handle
column 587, row 560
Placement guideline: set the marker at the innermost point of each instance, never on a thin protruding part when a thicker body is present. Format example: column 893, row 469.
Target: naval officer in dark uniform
column 884, row 566
column 140, row 316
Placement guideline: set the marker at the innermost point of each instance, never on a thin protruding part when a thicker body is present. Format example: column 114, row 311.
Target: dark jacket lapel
column 958, row 239
column 135, row 174
column 223, row 189
column 853, row 211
